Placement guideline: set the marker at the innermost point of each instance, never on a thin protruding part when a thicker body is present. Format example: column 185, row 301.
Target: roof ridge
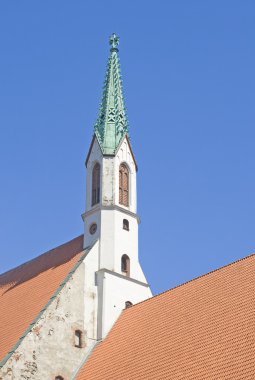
column 40, row 255
column 192, row 280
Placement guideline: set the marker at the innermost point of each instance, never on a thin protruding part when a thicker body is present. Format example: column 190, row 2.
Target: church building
column 84, row 310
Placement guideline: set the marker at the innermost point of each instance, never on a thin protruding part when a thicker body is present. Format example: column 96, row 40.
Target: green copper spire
column 112, row 124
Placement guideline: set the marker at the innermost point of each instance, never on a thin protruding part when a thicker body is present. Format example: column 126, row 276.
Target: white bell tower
column 111, row 220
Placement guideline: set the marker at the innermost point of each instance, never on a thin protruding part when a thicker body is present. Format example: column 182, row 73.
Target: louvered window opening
column 123, row 185
column 96, row 184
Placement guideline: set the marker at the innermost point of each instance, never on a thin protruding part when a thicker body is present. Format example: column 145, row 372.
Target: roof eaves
column 14, row 348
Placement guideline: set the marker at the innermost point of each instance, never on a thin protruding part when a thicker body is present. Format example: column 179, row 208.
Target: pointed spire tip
column 114, row 42
column 111, row 126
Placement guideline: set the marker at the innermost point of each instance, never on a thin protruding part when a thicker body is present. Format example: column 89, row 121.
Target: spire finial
column 114, row 42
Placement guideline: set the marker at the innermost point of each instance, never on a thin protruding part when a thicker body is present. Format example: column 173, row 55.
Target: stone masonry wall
column 48, row 350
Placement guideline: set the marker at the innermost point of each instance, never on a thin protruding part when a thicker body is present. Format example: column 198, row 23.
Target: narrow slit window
column 78, row 338
column 125, row 265
column 125, row 224
column 123, row 185
column 95, row 184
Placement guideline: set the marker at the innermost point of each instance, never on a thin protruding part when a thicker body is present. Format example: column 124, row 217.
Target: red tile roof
column 204, row 329
column 25, row 290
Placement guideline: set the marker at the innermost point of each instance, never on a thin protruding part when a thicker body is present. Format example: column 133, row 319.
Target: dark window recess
column 59, row 378
column 128, row 304
column 95, row 184
column 78, row 338
column 125, row 224
column 125, row 265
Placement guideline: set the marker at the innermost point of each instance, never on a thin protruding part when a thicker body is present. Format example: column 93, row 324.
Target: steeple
column 110, row 220
column 112, row 125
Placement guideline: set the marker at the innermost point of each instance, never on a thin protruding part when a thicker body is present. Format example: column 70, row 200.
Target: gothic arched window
column 96, row 184
column 123, row 185
column 125, row 265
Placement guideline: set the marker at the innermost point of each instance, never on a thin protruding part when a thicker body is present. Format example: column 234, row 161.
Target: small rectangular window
column 78, row 338
column 125, row 224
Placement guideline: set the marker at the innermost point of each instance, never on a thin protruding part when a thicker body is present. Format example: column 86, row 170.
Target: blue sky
column 188, row 72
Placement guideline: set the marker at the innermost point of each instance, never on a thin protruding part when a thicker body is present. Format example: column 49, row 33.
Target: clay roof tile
column 204, row 329
column 25, row 290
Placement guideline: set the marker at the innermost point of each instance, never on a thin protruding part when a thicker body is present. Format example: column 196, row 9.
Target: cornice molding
column 104, row 270
column 112, row 207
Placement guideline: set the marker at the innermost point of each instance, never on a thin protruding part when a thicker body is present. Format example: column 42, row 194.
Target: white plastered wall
column 109, row 214
column 114, row 288
column 115, row 242
column 115, row 291
column 110, row 176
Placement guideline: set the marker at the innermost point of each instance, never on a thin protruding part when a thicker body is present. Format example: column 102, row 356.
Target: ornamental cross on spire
column 114, row 41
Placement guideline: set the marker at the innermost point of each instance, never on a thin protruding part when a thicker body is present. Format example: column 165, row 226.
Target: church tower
column 111, row 220
column 62, row 303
